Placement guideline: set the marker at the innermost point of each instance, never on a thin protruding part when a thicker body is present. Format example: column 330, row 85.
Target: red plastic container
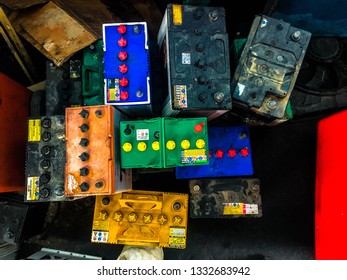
column 331, row 188
column 14, row 111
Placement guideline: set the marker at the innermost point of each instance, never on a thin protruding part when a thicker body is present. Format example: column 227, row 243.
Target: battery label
column 194, row 155
column 180, row 98
column 142, row 134
column 100, row 236
column 185, row 58
column 33, row 188
column 177, row 14
column 113, row 91
column 240, row 209
column 177, row 237
column 34, row 130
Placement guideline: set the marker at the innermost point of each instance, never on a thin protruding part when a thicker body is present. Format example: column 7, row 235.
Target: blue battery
column 229, row 151
column 126, row 67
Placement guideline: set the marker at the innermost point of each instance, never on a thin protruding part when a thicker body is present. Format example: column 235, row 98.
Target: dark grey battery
column 12, row 218
column 268, row 67
column 225, row 198
column 63, row 86
column 45, row 159
column 195, row 47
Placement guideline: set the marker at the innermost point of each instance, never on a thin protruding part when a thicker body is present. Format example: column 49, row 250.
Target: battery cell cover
column 126, row 67
column 225, row 198
column 195, row 46
column 92, row 158
column 155, row 143
column 45, row 159
column 142, row 218
column 230, row 154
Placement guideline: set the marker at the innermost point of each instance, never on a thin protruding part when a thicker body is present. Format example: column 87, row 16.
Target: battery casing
column 63, row 86
column 92, row 158
column 141, row 218
column 127, row 68
column 195, row 48
column 268, row 66
column 45, row 159
column 225, row 198
column 230, row 154
column 93, row 74
column 155, row 143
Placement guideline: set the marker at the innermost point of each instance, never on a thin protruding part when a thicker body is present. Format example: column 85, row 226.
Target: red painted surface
column 331, row 188
column 14, row 111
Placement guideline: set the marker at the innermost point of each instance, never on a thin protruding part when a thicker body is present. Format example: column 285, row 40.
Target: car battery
column 12, row 218
column 20, row 221
column 14, row 110
column 155, row 143
column 225, row 198
column 141, row 218
column 92, row 152
column 63, row 86
column 195, row 48
column 230, row 154
column 45, row 159
column 127, row 68
column 268, row 66
column 93, row 74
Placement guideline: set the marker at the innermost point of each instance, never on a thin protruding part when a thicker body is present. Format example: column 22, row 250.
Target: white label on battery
column 180, row 96
column 240, row 209
column 33, row 188
column 177, row 232
column 100, row 236
column 185, row 58
column 241, row 88
column 142, row 134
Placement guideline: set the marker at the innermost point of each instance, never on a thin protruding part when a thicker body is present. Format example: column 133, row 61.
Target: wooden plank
column 17, row 43
column 14, row 52
column 20, row 4
column 52, row 30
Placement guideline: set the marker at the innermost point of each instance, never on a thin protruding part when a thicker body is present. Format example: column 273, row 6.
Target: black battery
column 63, row 86
column 268, row 67
column 194, row 44
column 229, row 197
column 19, row 220
column 45, row 159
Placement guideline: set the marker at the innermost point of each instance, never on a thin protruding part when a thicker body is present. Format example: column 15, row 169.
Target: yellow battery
column 142, row 218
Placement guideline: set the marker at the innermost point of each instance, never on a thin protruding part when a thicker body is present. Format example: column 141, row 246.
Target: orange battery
column 142, row 218
column 14, row 111
column 92, row 159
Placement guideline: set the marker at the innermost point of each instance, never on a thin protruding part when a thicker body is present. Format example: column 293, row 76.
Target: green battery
column 92, row 74
column 164, row 142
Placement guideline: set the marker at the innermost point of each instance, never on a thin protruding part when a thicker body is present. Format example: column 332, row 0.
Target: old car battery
column 45, row 159
column 195, row 47
column 155, row 143
column 14, row 111
column 142, row 218
column 12, row 221
column 230, row 154
column 19, row 220
column 268, row 67
column 225, row 198
column 93, row 74
column 92, row 146
column 127, row 68
column 63, row 86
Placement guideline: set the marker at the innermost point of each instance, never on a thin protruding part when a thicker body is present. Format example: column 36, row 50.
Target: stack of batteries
column 100, row 123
